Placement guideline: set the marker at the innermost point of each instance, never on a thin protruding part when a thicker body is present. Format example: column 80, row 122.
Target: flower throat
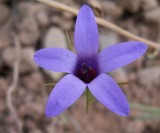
column 86, row 73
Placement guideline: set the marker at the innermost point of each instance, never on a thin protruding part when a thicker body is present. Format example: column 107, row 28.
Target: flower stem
column 49, row 84
column 123, row 83
column 69, row 41
column 146, row 116
column 89, row 99
column 146, row 108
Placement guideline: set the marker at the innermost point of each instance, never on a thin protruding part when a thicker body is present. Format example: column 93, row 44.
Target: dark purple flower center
column 86, row 73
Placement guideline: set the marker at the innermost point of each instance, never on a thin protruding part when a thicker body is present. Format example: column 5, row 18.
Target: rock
column 7, row 57
column 140, row 125
column 119, row 75
column 55, row 37
column 56, row 76
column 30, row 9
column 36, row 108
column 26, row 59
column 152, row 15
column 56, row 19
column 130, row 5
column 3, row 106
column 21, row 94
column 130, row 25
column 33, row 107
column 107, row 38
column 33, row 82
column 149, row 4
column 42, row 18
column 36, row 130
column 30, row 124
column 143, row 30
column 65, row 22
column 4, row 13
column 149, row 77
column 3, row 87
column 27, row 63
column 5, row 40
column 29, row 32
column 35, row 17
column 111, row 8
column 68, row 15
column 50, row 129
column 6, row 37
column 38, row 12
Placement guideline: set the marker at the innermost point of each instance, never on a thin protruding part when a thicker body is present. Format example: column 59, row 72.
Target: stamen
column 84, row 66
column 86, row 73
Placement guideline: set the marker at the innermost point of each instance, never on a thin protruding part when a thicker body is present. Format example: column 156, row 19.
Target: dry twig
column 13, row 86
column 102, row 22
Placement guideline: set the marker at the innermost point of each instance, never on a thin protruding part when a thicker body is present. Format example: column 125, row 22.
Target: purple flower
column 87, row 69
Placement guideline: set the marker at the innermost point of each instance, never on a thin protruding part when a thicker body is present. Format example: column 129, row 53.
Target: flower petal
column 56, row 59
column 119, row 55
column 105, row 89
column 65, row 93
column 86, row 33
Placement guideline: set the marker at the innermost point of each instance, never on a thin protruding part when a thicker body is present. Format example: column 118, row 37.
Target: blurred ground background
column 37, row 26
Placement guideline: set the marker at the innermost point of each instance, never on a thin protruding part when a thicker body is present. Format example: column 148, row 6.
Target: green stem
column 147, row 108
column 123, row 83
column 69, row 41
column 87, row 100
column 49, row 84
column 146, row 116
